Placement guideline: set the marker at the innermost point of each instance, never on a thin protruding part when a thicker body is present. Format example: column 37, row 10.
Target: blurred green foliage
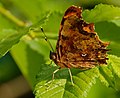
column 8, row 68
column 20, row 22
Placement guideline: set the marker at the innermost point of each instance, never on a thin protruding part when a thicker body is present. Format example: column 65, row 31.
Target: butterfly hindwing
column 78, row 45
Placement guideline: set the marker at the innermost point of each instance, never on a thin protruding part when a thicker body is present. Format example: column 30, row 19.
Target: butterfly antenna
column 47, row 39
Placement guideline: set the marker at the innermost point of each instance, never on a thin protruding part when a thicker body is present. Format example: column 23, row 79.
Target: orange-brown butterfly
column 78, row 46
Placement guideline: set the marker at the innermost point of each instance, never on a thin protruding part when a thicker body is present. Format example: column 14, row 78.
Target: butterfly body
column 78, row 46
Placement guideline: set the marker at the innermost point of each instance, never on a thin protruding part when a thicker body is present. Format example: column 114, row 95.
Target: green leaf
column 30, row 55
column 83, row 81
column 40, row 46
column 6, row 24
column 34, row 12
column 103, row 80
column 117, row 22
column 60, row 86
column 8, row 38
column 50, row 89
column 115, row 62
column 102, row 12
column 108, row 73
column 47, row 22
column 106, row 76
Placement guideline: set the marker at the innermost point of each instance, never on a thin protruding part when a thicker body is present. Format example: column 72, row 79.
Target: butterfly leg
column 55, row 72
column 69, row 73
column 70, row 76
column 53, row 75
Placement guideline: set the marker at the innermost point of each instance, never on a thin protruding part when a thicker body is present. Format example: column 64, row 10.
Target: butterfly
column 78, row 46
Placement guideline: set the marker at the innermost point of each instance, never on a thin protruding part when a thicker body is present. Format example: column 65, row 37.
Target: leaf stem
column 39, row 35
column 10, row 16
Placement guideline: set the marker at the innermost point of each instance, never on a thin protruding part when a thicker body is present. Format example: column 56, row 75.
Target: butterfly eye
column 52, row 55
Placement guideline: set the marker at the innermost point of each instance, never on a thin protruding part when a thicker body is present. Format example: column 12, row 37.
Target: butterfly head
column 53, row 56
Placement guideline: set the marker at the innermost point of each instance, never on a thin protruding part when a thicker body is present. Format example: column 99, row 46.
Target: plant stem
column 10, row 16
column 40, row 36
